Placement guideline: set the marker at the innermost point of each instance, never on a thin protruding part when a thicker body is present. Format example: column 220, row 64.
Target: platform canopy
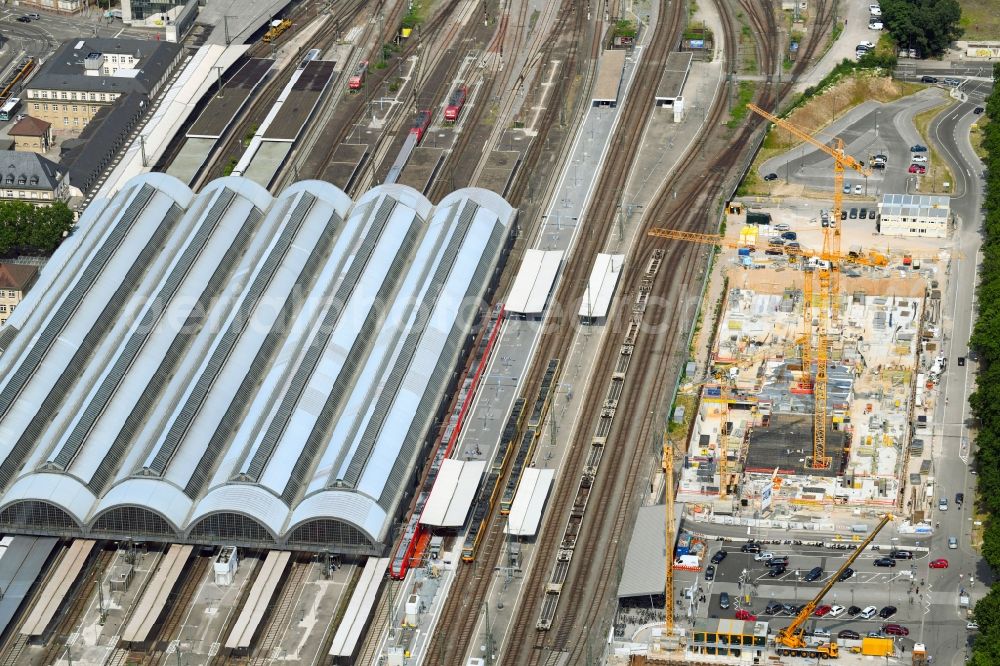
column 453, row 492
column 534, row 281
column 601, row 287
column 526, row 510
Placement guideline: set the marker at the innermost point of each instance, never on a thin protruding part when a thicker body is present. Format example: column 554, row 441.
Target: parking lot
column 869, row 129
column 749, row 587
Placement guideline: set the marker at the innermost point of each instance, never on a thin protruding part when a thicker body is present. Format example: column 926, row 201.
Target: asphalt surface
column 869, row 129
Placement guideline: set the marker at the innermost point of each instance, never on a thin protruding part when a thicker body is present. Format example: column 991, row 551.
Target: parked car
column 822, row 610
column 843, row 214
column 719, row 556
column 978, row 110
column 939, row 563
column 858, row 189
column 710, row 572
column 868, row 613
column 866, row 44
column 952, row 81
column 848, row 634
column 952, row 543
column 943, row 504
column 901, row 555
column 744, row 614
column 774, row 572
column 819, row 632
column 847, row 188
column 750, row 547
column 790, row 235
column 928, row 79
column 781, row 226
column 919, row 159
column 960, row 497
column 844, row 575
column 918, row 148
column 853, row 610
column 773, row 608
column 887, row 612
column 837, row 611
column 863, row 213
column 875, row 25
column 961, row 361
column 766, row 554
column 972, row 626
column 23, row 19
column 814, row 574
column 771, row 176
column 34, row 15
column 853, row 214
column 917, row 168
column 884, row 562
column 789, row 608
column 724, row 600
column 874, row 10
column 778, row 561
column 893, row 629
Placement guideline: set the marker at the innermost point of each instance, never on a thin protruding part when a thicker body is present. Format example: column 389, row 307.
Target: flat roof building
column 923, row 215
column 610, row 74
column 231, row 368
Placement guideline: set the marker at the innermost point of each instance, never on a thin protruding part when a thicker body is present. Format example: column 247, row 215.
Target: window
column 2, row 322
column 76, row 122
column 45, row 106
column 36, row 106
column 75, row 108
column 65, row 121
column 3, row 309
column 63, row 95
column 104, row 97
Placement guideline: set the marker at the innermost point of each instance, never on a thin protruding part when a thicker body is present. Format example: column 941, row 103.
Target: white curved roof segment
column 232, row 355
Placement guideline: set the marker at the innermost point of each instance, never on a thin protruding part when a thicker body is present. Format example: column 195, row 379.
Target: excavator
column 790, row 640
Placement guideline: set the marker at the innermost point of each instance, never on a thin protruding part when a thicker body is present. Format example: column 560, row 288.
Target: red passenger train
column 455, row 104
column 420, row 124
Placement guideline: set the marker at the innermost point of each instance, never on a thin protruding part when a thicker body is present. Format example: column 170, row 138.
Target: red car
column 940, row 563
column 743, row 614
column 918, row 168
column 895, row 630
column 822, row 610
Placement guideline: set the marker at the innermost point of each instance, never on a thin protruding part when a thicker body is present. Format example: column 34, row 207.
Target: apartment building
column 15, row 281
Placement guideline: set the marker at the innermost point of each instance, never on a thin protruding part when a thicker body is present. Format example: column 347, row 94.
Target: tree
column 27, row 229
column 929, row 26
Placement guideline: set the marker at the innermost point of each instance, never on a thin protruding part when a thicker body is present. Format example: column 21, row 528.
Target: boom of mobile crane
column 791, row 637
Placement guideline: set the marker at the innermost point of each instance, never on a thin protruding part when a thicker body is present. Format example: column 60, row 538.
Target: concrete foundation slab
column 190, row 159
column 269, row 158
column 345, row 164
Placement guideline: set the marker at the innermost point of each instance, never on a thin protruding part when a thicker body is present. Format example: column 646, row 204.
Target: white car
column 866, row 45
column 836, row 611
column 858, row 189
column 919, row 158
column 874, row 10
column 820, row 633
column 875, row 25
column 763, row 555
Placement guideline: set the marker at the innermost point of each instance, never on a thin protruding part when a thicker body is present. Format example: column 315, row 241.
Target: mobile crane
column 790, row 640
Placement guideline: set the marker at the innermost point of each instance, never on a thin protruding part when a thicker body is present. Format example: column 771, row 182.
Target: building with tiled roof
column 15, row 281
column 32, row 178
column 31, row 135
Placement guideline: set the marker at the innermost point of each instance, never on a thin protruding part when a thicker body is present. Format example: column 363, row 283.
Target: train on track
column 415, row 535
column 278, row 26
column 420, row 124
column 312, row 54
column 358, row 77
column 490, row 488
column 455, row 104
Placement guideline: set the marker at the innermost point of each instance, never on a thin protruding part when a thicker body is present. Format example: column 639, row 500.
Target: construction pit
column 750, row 456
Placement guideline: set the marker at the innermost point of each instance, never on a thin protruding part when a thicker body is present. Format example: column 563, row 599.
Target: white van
column 868, row 613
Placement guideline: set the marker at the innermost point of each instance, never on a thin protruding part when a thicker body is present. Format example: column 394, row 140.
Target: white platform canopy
column 526, row 511
column 601, row 288
column 534, row 281
column 453, row 492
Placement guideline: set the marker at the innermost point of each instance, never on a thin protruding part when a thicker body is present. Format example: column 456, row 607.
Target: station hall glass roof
column 228, row 367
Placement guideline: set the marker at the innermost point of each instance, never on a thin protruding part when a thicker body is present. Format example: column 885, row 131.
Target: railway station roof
column 674, row 76
column 345, row 641
column 454, row 489
column 601, row 286
column 532, row 493
column 241, row 369
column 610, row 71
column 530, row 291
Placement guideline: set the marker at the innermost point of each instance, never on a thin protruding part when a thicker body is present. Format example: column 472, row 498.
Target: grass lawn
column 938, row 173
column 976, row 136
column 980, row 19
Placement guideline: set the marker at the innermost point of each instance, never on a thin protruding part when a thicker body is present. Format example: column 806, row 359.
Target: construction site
column 806, row 409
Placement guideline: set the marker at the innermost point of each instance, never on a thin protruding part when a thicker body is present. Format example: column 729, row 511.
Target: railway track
column 178, row 608
column 280, row 615
column 71, row 610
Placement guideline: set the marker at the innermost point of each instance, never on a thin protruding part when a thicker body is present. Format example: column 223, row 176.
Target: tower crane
column 791, row 639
